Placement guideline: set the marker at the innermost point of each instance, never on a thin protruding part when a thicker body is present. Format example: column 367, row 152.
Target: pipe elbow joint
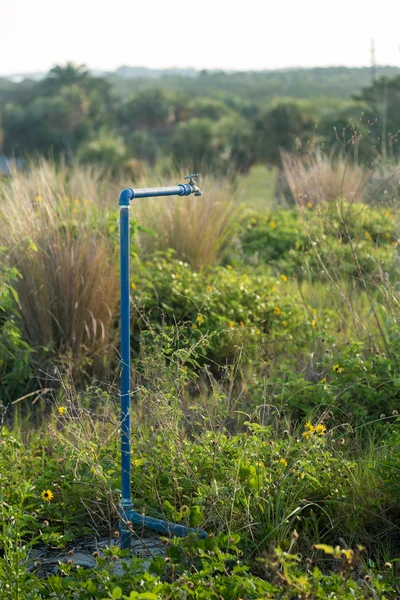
column 126, row 196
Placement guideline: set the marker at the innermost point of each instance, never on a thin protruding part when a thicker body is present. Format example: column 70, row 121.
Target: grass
column 256, row 487
column 257, row 188
column 312, row 180
column 197, row 228
column 257, row 388
column 67, row 292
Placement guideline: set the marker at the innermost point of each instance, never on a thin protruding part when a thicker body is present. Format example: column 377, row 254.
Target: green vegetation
column 212, row 122
column 265, row 374
column 264, row 333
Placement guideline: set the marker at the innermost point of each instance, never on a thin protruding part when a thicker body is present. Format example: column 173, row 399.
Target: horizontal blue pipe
column 183, row 189
column 163, row 527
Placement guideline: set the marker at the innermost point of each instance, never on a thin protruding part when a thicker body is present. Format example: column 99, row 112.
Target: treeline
column 73, row 114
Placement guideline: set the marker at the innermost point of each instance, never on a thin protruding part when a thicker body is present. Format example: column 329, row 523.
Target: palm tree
column 69, row 74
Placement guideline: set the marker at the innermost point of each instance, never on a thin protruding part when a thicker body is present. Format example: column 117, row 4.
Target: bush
column 16, row 356
column 332, row 235
column 274, row 238
column 222, row 312
column 107, row 151
column 352, row 381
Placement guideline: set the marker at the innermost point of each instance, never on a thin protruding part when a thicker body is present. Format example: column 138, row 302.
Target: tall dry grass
column 197, row 228
column 315, row 179
column 55, row 223
column 363, row 302
column 69, row 286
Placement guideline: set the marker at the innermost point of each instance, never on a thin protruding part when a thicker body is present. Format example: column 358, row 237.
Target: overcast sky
column 246, row 34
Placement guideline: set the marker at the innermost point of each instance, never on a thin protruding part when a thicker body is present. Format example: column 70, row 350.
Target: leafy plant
column 16, row 356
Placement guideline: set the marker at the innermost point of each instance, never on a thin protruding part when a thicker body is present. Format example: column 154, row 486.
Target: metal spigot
column 197, row 191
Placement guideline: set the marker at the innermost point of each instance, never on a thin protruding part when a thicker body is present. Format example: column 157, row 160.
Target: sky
column 239, row 35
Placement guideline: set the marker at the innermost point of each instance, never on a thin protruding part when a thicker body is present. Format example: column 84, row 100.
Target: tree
column 66, row 109
column 108, row 151
column 143, row 146
column 234, row 138
column 283, row 127
column 383, row 100
column 191, row 144
column 60, row 76
column 63, row 114
column 208, row 108
column 149, row 110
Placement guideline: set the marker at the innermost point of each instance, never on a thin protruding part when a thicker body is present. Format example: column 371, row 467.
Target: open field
column 265, row 377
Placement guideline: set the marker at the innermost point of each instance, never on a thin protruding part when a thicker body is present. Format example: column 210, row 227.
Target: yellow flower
column 322, row 380
column 133, row 285
column 320, row 429
column 272, row 224
column 231, row 324
column 62, row 410
column 387, row 213
column 309, row 204
column 242, row 324
column 368, row 236
column 284, row 323
column 209, row 288
column 200, row 319
column 277, row 310
column 308, row 430
column 38, row 198
column 313, row 322
column 229, row 267
column 313, row 311
column 47, row 495
column 283, row 461
column 284, row 278
column 194, row 327
column 337, row 368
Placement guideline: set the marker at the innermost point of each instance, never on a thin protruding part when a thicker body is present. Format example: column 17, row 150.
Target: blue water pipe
column 128, row 517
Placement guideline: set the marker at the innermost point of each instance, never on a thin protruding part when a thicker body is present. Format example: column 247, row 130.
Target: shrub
column 351, row 380
column 222, row 312
column 106, row 151
column 329, row 236
column 389, row 465
column 273, row 239
column 16, row 356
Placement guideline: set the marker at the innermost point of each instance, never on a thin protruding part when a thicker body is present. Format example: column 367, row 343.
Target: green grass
column 257, row 188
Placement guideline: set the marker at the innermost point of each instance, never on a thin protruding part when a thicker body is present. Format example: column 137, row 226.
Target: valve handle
column 191, row 182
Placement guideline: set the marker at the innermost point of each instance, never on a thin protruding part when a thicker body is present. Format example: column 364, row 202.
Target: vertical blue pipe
column 126, row 502
column 126, row 508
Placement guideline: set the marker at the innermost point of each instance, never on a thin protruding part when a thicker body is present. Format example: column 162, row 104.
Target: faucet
column 128, row 516
column 196, row 190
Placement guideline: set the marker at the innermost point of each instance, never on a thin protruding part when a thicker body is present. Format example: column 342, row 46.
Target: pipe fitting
column 126, row 196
